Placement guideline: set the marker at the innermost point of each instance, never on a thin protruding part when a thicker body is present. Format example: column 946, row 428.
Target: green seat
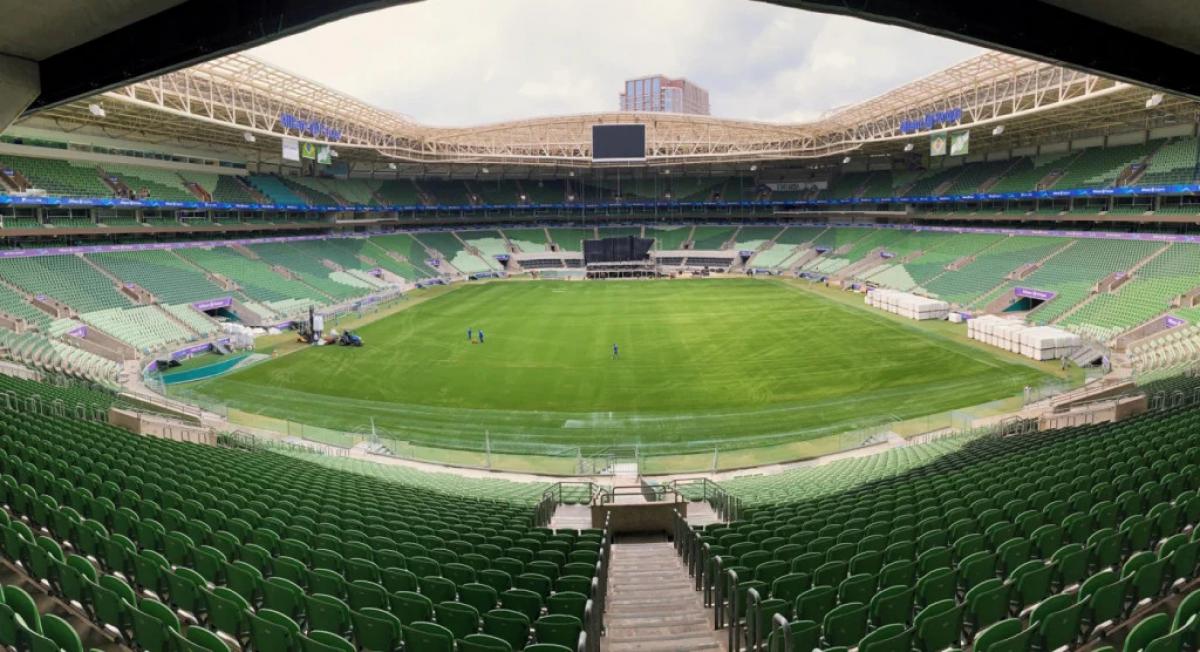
column 938, row 626
column 524, row 601
column 366, row 593
column 284, row 596
column 327, row 613
column 986, row 603
column 548, row 647
column 507, row 625
column 891, row 605
column 935, row 586
column 319, row 641
column 1056, row 621
column 889, row 638
column 814, row 603
column 805, row 635
column 423, row 636
column 559, row 629
column 1146, row 631
column 461, row 619
column 202, row 639
column 845, row 624
column 410, row 607
column 60, row 633
column 271, row 631
column 483, row 643
column 227, row 612
column 375, row 629
column 998, row 637
column 152, row 625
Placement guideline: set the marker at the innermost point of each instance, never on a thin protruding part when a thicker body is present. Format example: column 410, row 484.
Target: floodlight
column 908, row 147
column 845, row 160
column 998, row 130
column 1154, row 100
column 96, row 110
column 391, row 166
column 248, row 137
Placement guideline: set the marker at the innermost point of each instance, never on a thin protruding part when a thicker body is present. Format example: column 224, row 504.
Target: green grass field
column 703, row 363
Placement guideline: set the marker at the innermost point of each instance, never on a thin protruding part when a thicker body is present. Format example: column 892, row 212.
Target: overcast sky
column 464, row 62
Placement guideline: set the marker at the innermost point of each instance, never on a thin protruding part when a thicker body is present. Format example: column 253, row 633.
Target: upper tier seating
column 1099, row 167
column 1175, row 162
column 59, row 178
column 160, row 183
column 399, row 192
column 274, row 189
column 255, row 278
column 1026, row 174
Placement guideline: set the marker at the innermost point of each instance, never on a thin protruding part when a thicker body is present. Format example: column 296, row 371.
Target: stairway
column 653, row 605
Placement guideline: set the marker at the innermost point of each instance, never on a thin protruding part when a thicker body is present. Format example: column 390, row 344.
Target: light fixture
column 845, row 160
column 1154, row 100
column 998, row 130
column 333, row 153
column 571, row 173
column 666, row 171
column 248, row 137
column 908, row 147
column 96, row 110
column 483, row 170
column 753, row 168
column 570, row 197
column 391, row 166
column 522, row 197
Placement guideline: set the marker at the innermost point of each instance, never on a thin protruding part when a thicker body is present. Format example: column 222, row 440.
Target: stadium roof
column 223, row 102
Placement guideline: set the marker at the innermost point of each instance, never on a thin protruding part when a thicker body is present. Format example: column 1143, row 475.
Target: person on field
column 481, row 337
column 616, row 352
column 469, row 339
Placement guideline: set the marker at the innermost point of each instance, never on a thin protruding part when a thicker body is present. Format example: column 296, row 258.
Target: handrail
column 718, row 592
column 753, row 636
column 779, row 622
column 732, row 609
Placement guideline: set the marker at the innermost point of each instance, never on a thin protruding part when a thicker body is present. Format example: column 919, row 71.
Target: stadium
column 285, row 371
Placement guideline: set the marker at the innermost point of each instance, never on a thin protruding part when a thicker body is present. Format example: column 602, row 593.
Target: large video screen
column 618, row 142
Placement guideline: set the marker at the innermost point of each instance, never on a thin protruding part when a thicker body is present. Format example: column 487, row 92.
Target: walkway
column 653, row 605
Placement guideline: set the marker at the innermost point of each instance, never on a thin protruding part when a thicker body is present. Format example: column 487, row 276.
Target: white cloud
column 462, row 62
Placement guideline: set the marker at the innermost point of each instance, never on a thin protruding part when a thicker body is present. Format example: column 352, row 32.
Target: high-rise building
column 664, row 95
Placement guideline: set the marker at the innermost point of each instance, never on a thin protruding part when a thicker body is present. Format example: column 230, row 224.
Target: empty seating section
column 159, row 183
column 750, row 238
column 355, row 191
column 773, row 257
column 498, row 191
column 311, row 189
column 146, row 328
column 546, row 191
column 879, row 184
column 1173, row 272
column 165, row 275
column 454, row 252
column 1072, row 272
column 306, row 267
column 279, row 553
column 59, row 178
column 66, row 278
column 1041, row 541
column 571, row 239
column 1027, row 173
column 406, row 246
column 1175, row 162
column 706, row 238
column 527, row 240
column 445, row 191
column 975, row 175
column 399, row 192
column 194, row 319
column 489, row 244
column 697, row 188
column 1099, row 167
column 620, row 231
column 929, row 181
column 846, row 186
column 229, row 189
column 669, row 238
column 274, row 189
column 966, row 285
column 254, row 278
column 942, row 251
column 14, row 304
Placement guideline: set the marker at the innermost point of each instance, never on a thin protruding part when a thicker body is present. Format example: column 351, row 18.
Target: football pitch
column 702, row 364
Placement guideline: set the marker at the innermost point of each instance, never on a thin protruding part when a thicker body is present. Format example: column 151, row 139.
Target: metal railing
column 552, row 497
column 723, row 503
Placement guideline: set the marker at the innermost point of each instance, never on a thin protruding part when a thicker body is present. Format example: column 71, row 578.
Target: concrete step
column 653, row 605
